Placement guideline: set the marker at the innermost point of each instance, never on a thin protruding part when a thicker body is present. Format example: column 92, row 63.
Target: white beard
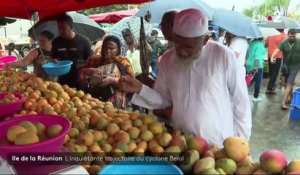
column 186, row 63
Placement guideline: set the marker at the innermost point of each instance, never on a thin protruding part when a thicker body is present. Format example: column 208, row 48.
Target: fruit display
column 100, row 129
column 27, row 132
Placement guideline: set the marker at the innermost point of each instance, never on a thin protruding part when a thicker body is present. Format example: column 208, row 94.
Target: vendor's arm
column 239, row 95
column 144, row 96
column 27, row 60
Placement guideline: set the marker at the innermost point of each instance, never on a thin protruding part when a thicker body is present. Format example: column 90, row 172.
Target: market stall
column 107, row 135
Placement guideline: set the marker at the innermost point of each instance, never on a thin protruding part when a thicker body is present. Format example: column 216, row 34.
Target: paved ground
column 272, row 128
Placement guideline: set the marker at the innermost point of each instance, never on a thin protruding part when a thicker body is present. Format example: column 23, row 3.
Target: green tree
column 269, row 7
column 105, row 9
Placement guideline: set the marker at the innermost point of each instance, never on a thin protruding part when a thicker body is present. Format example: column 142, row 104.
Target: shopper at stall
column 239, row 45
column 255, row 63
column 272, row 43
column 102, row 77
column 205, row 84
column 157, row 50
column 37, row 56
column 291, row 54
column 166, row 25
column 70, row 46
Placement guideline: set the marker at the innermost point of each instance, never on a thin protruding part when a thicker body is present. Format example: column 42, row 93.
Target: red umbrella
column 25, row 8
column 113, row 17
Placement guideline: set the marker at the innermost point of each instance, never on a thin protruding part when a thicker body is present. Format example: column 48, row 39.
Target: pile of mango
column 98, row 129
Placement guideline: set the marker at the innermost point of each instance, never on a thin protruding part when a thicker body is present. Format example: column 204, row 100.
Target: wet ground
column 272, row 128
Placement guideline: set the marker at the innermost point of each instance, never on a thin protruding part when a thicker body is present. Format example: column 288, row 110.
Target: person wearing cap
column 202, row 81
column 70, row 46
column 131, row 51
column 291, row 54
column 272, row 43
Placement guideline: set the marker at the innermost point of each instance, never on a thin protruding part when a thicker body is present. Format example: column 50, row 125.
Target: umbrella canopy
column 280, row 22
column 4, row 21
column 113, row 17
column 134, row 24
column 25, row 8
column 236, row 23
column 159, row 7
column 82, row 25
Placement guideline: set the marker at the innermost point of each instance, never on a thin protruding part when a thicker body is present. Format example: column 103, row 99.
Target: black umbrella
column 4, row 21
column 82, row 25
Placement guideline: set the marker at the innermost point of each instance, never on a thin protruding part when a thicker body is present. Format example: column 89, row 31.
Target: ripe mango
column 237, row 148
column 245, row 169
column 28, row 126
column 173, row 151
column 126, row 125
column 137, row 123
column 73, row 133
column 134, row 132
column 179, row 140
column 156, row 128
column 228, row 165
column 203, row 164
column 293, row 166
column 260, row 172
column 26, row 138
column 165, row 139
column 148, row 119
column 54, row 130
column 123, row 146
column 122, row 137
column 40, row 128
column 146, row 135
column 112, row 128
column 13, row 132
column 190, row 158
column 102, row 124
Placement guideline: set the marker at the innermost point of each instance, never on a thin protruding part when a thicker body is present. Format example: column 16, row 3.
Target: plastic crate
column 295, row 112
column 296, row 97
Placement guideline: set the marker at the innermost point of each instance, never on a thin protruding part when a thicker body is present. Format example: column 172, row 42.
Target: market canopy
column 113, row 17
column 25, row 8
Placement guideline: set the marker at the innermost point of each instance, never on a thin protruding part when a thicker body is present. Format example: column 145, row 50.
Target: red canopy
column 113, row 17
column 25, row 8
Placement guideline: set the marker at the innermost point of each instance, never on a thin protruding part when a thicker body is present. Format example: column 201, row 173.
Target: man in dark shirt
column 291, row 54
column 70, row 46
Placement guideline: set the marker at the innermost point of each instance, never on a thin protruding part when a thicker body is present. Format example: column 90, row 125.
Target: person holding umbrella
column 204, row 83
column 291, row 53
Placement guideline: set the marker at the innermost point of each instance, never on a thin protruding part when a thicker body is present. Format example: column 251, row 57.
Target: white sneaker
column 258, row 99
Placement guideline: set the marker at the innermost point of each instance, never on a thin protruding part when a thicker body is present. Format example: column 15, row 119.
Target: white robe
column 209, row 100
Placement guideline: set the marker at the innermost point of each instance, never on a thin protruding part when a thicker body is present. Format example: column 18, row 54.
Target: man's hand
column 129, row 84
column 255, row 68
column 273, row 60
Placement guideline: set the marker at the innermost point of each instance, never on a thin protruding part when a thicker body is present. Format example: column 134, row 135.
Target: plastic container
column 295, row 112
column 11, row 108
column 7, row 59
column 57, row 69
column 140, row 167
column 296, row 97
column 48, row 146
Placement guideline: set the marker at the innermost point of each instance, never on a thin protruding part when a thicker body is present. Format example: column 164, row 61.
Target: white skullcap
column 190, row 23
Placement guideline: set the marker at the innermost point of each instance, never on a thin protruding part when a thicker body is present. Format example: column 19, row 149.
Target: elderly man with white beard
column 203, row 82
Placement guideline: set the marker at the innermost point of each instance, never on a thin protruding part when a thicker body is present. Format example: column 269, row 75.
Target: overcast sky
column 240, row 4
